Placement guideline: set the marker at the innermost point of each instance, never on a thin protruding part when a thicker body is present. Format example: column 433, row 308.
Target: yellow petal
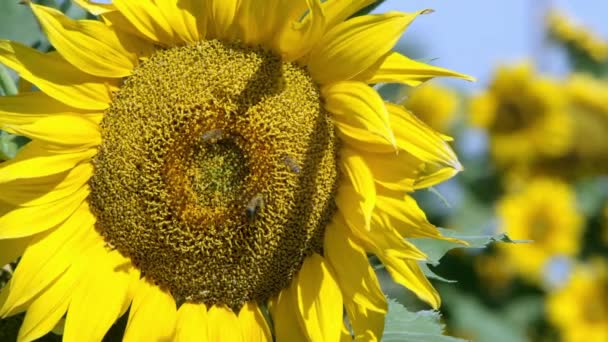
column 153, row 314
column 396, row 172
column 362, row 180
column 95, row 8
column 223, row 325
column 420, row 140
column 337, row 11
column 26, row 221
column 44, row 190
column 62, row 130
column 408, row 274
column 359, row 113
column 34, row 160
column 431, row 178
column 220, row 17
column 397, row 68
column 11, row 249
column 57, row 78
column 298, row 39
column 381, row 237
column 191, row 324
column 368, row 325
column 25, row 108
column 350, row 204
column 15, row 311
column 319, row 300
column 355, row 276
column 186, row 17
column 253, row 324
column 146, row 16
column 51, row 305
column 256, row 19
column 98, row 299
column 89, row 45
column 284, row 316
column 48, row 257
column 355, row 45
column 404, row 215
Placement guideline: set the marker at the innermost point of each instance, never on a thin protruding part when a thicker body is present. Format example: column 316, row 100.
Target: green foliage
column 405, row 326
column 468, row 315
column 17, row 23
column 10, row 144
column 436, row 249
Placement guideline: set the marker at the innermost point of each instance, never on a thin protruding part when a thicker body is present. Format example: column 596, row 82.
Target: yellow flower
column 433, row 104
column 203, row 162
column 545, row 213
column 525, row 115
column 566, row 30
column 588, row 109
column 579, row 309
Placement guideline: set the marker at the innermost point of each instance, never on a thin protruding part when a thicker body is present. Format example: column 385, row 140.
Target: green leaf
column 7, row 84
column 17, row 23
column 405, row 326
column 469, row 315
column 436, row 249
column 10, row 144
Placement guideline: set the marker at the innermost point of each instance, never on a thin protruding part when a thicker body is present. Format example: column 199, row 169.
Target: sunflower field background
column 531, row 203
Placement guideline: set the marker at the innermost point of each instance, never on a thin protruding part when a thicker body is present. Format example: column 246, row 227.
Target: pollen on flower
column 192, row 138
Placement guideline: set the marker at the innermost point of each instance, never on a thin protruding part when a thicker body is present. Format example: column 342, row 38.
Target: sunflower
column 588, row 109
column 219, row 169
column 525, row 115
column 544, row 213
column 566, row 30
column 578, row 309
column 434, row 104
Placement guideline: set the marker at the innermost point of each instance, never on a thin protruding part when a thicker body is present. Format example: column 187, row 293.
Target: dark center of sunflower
column 216, row 172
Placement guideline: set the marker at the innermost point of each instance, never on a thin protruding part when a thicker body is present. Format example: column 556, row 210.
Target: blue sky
column 474, row 36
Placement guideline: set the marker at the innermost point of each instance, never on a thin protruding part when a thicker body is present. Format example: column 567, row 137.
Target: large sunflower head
column 525, row 115
column 214, row 165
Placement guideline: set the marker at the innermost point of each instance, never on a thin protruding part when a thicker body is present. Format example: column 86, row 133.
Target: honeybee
column 254, row 206
column 214, row 134
column 291, row 164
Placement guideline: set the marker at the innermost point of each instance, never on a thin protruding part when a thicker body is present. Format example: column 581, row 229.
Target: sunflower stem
column 7, row 84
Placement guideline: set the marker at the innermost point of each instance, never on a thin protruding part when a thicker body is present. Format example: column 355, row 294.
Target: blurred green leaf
column 7, row 84
column 405, row 326
column 469, row 316
column 10, row 144
column 432, row 275
column 17, row 23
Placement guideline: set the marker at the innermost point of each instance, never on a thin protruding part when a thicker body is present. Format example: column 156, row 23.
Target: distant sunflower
column 214, row 165
column 544, row 213
column 434, row 104
column 525, row 115
column 578, row 309
column 577, row 36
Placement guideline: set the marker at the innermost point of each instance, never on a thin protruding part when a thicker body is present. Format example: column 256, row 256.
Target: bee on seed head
column 255, row 205
column 291, row 164
column 214, row 134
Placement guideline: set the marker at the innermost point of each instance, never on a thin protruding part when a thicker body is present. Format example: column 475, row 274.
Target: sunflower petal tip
column 427, row 11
